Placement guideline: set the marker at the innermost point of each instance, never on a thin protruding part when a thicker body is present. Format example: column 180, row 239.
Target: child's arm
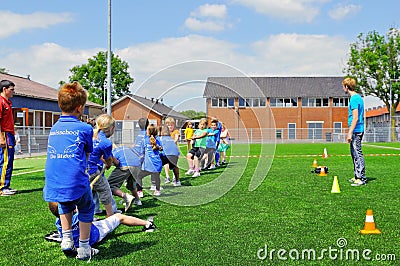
column 200, row 136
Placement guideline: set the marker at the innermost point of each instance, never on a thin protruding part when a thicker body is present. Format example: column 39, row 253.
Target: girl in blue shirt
column 102, row 155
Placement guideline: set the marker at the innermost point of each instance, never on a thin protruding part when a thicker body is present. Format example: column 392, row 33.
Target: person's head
column 349, row 84
column 53, row 207
column 164, row 131
column 72, row 98
column 213, row 125
column 203, row 123
column 7, row 88
column 152, row 130
column 143, row 123
column 189, row 125
column 223, row 126
column 105, row 123
column 171, row 123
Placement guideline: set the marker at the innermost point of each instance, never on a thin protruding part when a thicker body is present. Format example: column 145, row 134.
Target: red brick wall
column 131, row 110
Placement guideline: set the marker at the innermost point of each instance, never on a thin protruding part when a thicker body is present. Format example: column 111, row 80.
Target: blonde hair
column 203, row 121
column 104, row 123
column 349, row 83
column 170, row 121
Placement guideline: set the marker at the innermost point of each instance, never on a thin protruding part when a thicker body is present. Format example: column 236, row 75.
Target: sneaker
column 196, row 174
column 68, row 247
column 157, row 192
column 352, row 180
column 128, row 199
column 7, row 192
column 218, row 165
column 86, row 253
column 190, row 172
column 153, row 187
column 137, row 202
column 149, row 228
column 167, row 180
column 117, row 211
column 212, row 167
column 140, row 194
column 13, row 190
column 358, row 183
column 176, row 183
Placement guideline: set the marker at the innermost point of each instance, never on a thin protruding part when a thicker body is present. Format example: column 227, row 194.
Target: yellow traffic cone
column 322, row 173
column 315, row 163
column 335, row 186
column 325, row 154
column 369, row 226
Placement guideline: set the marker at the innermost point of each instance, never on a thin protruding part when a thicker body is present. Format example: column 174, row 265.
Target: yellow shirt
column 175, row 135
column 189, row 132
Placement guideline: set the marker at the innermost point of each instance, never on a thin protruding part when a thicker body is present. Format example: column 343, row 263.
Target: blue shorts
column 84, row 204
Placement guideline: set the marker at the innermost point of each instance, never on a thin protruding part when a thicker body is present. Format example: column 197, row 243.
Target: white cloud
column 207, row 10
column 208, row 18
column 290, row 10
column 12, row 23
column 342, row 11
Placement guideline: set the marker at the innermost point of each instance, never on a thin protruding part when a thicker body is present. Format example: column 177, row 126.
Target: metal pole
column 109, row 61
column 390, row 111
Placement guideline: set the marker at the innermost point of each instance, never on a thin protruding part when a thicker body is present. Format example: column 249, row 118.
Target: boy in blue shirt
column 170, row 154
column 211, row 145
column 66, row 180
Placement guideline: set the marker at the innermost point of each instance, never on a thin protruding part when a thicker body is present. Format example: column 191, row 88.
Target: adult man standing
column 356, row 131
column 7, row 139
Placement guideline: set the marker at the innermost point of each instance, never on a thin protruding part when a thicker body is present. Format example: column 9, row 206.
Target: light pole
column 109, row 61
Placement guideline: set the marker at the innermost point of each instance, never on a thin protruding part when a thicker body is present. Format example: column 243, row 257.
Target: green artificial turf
column 288, row 211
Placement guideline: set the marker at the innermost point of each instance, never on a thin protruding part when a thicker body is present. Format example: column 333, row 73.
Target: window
column 278, row 133
column 231, row 102
column 315, row 102
column 315, row 130
column 337, row 127
column 263, row 102
column 340, row 102
column 252, row 102
column 241, row 102
column 214, row 102
column 219, row 102
column 292, row 130
column 283, row 102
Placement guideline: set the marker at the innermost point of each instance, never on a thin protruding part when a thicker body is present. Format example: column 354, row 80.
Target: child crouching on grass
column 66, row 181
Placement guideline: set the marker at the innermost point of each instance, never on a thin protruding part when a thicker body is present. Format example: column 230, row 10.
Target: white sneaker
column 157, row 193
column 196, row 174
column 153, row 187
column 190, row 172
column 128, row 199
column 137, row 202
column 7, row 192
column 176, row 183
column 68, row 247
column 167, row 180
column 86, row 253
column 212, row 167
column 117, row 211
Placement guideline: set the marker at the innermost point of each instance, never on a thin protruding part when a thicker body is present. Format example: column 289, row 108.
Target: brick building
column 278, row 107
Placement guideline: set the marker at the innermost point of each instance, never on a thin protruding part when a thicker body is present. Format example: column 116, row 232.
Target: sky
column 173, row 46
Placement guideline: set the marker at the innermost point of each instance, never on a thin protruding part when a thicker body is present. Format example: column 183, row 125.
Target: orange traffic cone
column 315, row 163
column 335, row 186
column 369, row 226
column 322, row 173
column 325, row 154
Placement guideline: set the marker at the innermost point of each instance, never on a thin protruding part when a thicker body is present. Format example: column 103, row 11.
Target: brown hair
column 71, row 96
column 152, row 132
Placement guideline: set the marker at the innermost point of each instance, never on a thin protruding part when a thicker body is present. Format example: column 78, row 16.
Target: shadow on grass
column 23, row 191
column 119, row 249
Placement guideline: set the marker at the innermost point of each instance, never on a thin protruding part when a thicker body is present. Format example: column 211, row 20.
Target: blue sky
column 173, row 46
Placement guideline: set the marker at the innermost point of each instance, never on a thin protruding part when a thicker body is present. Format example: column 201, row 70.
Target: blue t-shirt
column 212, row 139
column 219, row 128
column 126, row 156
column 152, row 161
column 356, row 102
column 138, row 147
column 94, row 231
column 102, row 146
column 169, row 146
column 65, row 173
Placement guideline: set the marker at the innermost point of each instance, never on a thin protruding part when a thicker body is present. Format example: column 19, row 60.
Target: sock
column 84, row 243
column 67, row 234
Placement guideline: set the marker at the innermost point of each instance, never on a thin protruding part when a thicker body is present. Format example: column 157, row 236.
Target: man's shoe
column 68, row 247
column 149, row 228
column 190, row 172
column 358, row 183
column 128, row 199
column 7, row 192
column 137, row 202
column 196, row 174
column 86, row 253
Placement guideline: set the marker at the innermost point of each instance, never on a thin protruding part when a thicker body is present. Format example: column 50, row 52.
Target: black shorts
column 196, row 151
column 171, row 160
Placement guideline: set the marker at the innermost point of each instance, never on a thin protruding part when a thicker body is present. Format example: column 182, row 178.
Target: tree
column 93, row 77
column 375, row 63
column 192, row 114
column 3, row 70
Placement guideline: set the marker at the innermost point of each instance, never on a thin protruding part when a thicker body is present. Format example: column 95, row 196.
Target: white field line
column 30, row 172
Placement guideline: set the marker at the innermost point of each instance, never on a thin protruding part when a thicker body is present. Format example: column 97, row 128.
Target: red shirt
column 6, row 115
